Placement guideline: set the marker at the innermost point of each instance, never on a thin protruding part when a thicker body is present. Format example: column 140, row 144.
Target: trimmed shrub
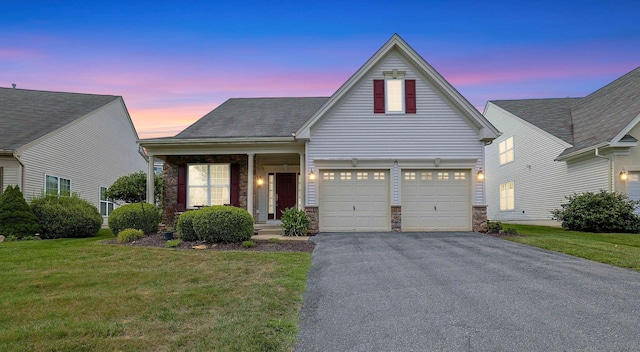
column 248, row 244
column 185, row 226
column 129, row 235
column 223, row 224
column 66, row 217
column 494, row 226
column 599, row 212
column 295, row 222
column 139, row 216
column 16, row 218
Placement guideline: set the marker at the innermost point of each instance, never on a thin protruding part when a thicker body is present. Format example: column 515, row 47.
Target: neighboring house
column 552, row 148
column 396, row 147
column 66, row 143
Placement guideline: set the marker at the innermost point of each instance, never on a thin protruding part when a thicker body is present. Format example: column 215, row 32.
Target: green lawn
column 84, row 295
column 619, row 249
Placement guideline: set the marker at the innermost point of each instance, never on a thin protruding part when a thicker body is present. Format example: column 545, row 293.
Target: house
column 66, row 143
column 552, row 148
column 395, row 148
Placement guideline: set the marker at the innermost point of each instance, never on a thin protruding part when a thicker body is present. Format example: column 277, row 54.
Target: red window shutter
column 235, row 185
column 181, row 202
column 378, row 96
column 410, row 96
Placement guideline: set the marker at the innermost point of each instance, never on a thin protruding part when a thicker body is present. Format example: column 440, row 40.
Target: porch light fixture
column 312, row 176
column 260, row 181
column 480, row 175
column 624, row 175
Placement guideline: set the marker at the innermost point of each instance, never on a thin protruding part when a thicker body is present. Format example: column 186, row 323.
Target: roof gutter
column 208, row 141
column 581, row 151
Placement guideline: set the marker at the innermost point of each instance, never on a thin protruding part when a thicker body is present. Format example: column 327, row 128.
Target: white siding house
column 560, row 147
column 396, row 147
column 54, row 142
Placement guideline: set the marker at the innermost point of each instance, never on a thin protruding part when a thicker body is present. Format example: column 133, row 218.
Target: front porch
column 263, row 183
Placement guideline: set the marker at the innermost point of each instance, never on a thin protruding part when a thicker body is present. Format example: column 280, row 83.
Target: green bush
column 223, row 224
column 295, row 222
column 140, row 216
column 173, row 243
column 599, row 212
column 16, row 218
column 248, row 244
column 494, row 226
column 132, row 188
column 129, row 235
column 185, row 226
column 66, row 217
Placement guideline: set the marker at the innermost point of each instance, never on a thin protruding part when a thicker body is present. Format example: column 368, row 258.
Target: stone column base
column 314, row 217
column 479, row 218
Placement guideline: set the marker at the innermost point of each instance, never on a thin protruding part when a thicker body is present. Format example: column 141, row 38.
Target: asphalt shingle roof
column 584, row 122
column 551, row 115
column 26, row 115
column 254, row 117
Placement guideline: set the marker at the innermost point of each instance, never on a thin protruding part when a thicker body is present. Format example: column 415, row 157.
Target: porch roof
column 254, row 117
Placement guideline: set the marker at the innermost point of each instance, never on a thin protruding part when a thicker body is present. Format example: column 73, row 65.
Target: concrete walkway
column 462, row 292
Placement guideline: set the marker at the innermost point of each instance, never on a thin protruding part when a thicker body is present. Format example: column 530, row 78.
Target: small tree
column 16, row 217
column 132, row 188
column 599, row 212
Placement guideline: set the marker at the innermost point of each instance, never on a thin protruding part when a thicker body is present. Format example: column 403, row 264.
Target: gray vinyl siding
column 540, row 183
column 9, row 172
column 352, row 130
column 92, row 151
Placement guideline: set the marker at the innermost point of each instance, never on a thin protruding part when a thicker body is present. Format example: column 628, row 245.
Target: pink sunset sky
column 173, row 65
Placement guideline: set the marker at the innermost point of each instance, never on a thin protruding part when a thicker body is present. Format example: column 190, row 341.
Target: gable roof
column 254, row 117
column 600, row 119
column 551, row 115
column 601, row 116
column 26, row 115
column 486, row 130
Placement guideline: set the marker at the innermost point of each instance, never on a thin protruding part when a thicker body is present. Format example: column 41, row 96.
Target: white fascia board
column 626, row 130
column 209, row 141
column 582, row 151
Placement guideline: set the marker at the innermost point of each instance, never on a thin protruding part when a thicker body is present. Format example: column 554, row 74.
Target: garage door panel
column 435, row 200
column 354, row 200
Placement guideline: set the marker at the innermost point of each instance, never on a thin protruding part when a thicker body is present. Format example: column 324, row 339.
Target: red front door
column 286, row 187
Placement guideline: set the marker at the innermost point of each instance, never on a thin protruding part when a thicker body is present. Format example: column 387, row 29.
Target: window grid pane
column 208, row 184
column 378, row 176
column 443, row 176
column 505, row 149
column 426, row 176
column 409, row 175
column 345, row 175
column 362, row 175
column 328, row 175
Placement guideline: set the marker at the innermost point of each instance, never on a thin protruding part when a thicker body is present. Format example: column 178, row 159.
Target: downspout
column 612, row 183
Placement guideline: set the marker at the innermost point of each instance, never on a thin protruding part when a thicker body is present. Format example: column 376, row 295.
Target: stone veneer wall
column 170, row 176
column 314, row 226
column 396, row 218
column 479, row 218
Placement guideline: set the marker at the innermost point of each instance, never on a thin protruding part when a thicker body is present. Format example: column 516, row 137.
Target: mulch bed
column 261, row 246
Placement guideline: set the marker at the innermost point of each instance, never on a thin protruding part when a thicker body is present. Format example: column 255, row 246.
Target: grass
column 84, row 295
column 619, row 249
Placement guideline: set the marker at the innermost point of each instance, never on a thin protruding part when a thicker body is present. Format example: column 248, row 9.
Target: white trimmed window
column 507, row 199
column 208, row 184
column 106, row 205
column 394, row 89
column 506, row 151
column 57, row 186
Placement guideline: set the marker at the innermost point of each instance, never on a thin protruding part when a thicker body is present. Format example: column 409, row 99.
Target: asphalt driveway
column 462, row 292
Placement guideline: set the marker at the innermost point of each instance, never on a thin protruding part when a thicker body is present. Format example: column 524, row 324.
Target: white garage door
column 436, row 200
column 354, row 200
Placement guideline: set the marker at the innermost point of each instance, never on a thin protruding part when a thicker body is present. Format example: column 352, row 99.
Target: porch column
column 150, row 178
column 303, row 181
column 250, row 184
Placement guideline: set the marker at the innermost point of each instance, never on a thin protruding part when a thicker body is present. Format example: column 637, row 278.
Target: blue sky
column 175, row 61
